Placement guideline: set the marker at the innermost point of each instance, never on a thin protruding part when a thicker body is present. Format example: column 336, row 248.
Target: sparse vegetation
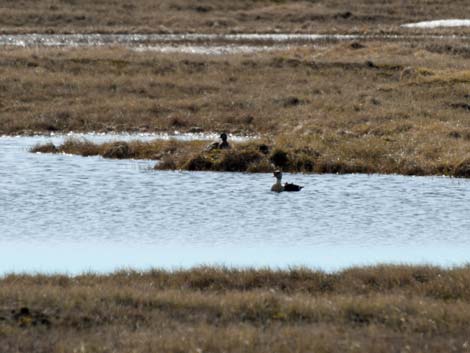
column 377, row 309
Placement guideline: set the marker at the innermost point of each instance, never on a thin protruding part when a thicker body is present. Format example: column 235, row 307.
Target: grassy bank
column 219, row 15
column 254, row 156
column 377, row 309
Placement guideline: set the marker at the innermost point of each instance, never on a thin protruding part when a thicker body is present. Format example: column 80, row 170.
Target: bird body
column 277, row 187
column 292, row 187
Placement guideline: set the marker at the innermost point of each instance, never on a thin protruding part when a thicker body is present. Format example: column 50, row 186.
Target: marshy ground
column 396, row 107
column 377, row 309
column 368, row 106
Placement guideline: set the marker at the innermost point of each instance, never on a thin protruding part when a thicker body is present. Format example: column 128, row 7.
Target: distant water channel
column 199, row 43
column 73, row 214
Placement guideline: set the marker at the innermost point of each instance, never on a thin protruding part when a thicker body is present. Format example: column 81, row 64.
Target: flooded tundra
column 72, row 40
column 208, row 44
column 70, row 213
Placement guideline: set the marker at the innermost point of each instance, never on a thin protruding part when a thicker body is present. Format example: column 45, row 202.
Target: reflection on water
column 75, row 40
column 197, row 42
column 69, row 213
column 210, row 49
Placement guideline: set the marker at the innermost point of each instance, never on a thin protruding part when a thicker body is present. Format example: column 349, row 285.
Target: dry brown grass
column 254, row 157
column 379, row 107
column 377, row 309
column 220, row 15
column 156, row 149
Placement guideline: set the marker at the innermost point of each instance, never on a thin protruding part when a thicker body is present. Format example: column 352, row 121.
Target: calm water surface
column 71, row 214
column 79, row 40
column 204, row 44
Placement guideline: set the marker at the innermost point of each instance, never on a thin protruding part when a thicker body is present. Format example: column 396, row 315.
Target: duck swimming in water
column 278, row 187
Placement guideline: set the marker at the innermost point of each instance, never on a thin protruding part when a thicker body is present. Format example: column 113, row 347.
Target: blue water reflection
column 70, row 214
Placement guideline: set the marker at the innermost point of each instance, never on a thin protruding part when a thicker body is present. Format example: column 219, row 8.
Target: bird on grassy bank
column 219, row 145
column 278, row 187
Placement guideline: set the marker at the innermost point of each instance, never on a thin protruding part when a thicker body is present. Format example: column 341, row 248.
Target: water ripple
column 62, row 199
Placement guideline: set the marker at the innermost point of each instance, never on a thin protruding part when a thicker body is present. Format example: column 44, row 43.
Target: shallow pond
column 71, row 214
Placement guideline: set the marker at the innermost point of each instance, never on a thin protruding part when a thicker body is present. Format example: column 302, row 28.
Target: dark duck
column 219, row 145
column 278, row 187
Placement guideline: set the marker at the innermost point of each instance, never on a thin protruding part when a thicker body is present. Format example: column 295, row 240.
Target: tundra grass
column 373, row 309
column 30, row 16
column 350, row 107
column 254, row 156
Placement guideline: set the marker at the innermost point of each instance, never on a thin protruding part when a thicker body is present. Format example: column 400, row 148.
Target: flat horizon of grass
column 345, row 89
column 211, row 16
column 383, row 308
